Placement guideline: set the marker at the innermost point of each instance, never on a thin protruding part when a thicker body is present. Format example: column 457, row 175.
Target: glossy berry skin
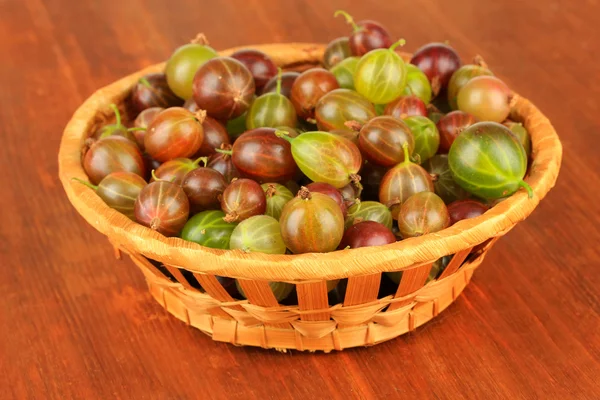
column 487, row 98
column 260, row 65
column 366, row 36
column 465, row 209
column 119, row 191
column 460, row 78
column 143, row 120
column 110, row 155
column 152, row 90
column 224, row 87
column 236, row 126
column 381, row 140
column 344, row 72
column 308, row 89
column 271, row 110
column 242, row 199
column 209, row 229
column 488, row 161
column 258, row 234
column 371, row 175
column 451, row 125
column 203, row 187
column 223, row 164
column 162, row 206
column 366, row 234
column 260, row 155
column 328, row 158
column 175, row 170
column 336, row 51
column 406, row 106
column 438, row 61
column 182, row 66
column 401, row 182
column 174, row 133
column 277, row 196
column 445, row 185
column 427, row 137
column 287, row 81
column 311, row 223
column 215, row 136
column 380, row 76
column 417, row 84
column 340, row 106
column 327, row 189
column 421, row 214
column 369, row 211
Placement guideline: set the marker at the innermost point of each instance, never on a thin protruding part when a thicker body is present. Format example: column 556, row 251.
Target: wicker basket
column 186, row 279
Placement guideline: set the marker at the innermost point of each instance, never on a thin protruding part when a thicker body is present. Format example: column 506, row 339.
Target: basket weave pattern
column 191, row 291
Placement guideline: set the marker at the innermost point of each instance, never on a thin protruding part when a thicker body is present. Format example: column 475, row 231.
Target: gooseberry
column 366, row 234
column 336, row 51
column 445, row 185
column 487, row 160
column 327, row 189
column 260, row 65
column 487, row 98
column 340, row 106
column 366, row 35
column 521, row 133
column 369, row 211
column 271, row 110
column 426, row 135
column 175, row 170
column 451, row 125
column 174, row 133
column 162, row 206
column 460, row 77
column 287, row 81
column 381, row 140
column 222, row 163
column 465, row 209
column 311, row 223
column 406, row 106
column 183, row 64
column 422, row 213
column 308, row 89
column 209, row 229
column 417, row 84
column 344, row 72
column 258, row 234
column 277, row 196
column 381, row 75
column 438, row 61
column 242, row 199
column 224, row 88
column 152, row 90
column 112, row 154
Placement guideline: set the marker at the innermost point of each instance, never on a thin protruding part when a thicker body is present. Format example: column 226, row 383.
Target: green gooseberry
column 381, row 75
column 235, row 127
column 271, row 110
column 209, row 229
column 427, row 137
column 521, row 133
column 325, row 157
column 417, row 84
column 368, row 211
column 487, row 160
column 277, row 196
column 258, row 234
column 344, row 72
column 379, row 108
column 182, row 66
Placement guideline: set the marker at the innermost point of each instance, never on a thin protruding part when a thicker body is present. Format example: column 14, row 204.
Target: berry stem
column 93, row 187
column 400, row 43
column 406, row 154
column 271, row 190
column 284, row 135
column 145, row 82
column 153, row 174
column 526, row 186
column 279, row 72
column 117, row 114
column 200, row 39
column 199, row 160
column 349, row 19
column 222, row 151
column 134, row 129
column 355, row 182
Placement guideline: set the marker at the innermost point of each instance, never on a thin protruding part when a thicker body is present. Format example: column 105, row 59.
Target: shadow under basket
column 334, row 300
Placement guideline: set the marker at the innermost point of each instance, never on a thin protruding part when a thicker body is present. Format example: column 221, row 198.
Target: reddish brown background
column 74, row 323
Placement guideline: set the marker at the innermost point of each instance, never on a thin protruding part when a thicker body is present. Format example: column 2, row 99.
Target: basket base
column 434, row 298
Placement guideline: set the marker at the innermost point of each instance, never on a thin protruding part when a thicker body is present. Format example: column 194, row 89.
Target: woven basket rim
column 121, row 231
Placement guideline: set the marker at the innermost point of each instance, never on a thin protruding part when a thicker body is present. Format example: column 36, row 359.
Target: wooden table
column 74, row 323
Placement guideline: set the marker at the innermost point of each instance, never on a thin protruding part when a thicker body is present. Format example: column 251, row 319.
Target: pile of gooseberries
column 234, row 153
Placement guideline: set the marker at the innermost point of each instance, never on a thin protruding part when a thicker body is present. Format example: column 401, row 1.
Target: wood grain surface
column 77, row 324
